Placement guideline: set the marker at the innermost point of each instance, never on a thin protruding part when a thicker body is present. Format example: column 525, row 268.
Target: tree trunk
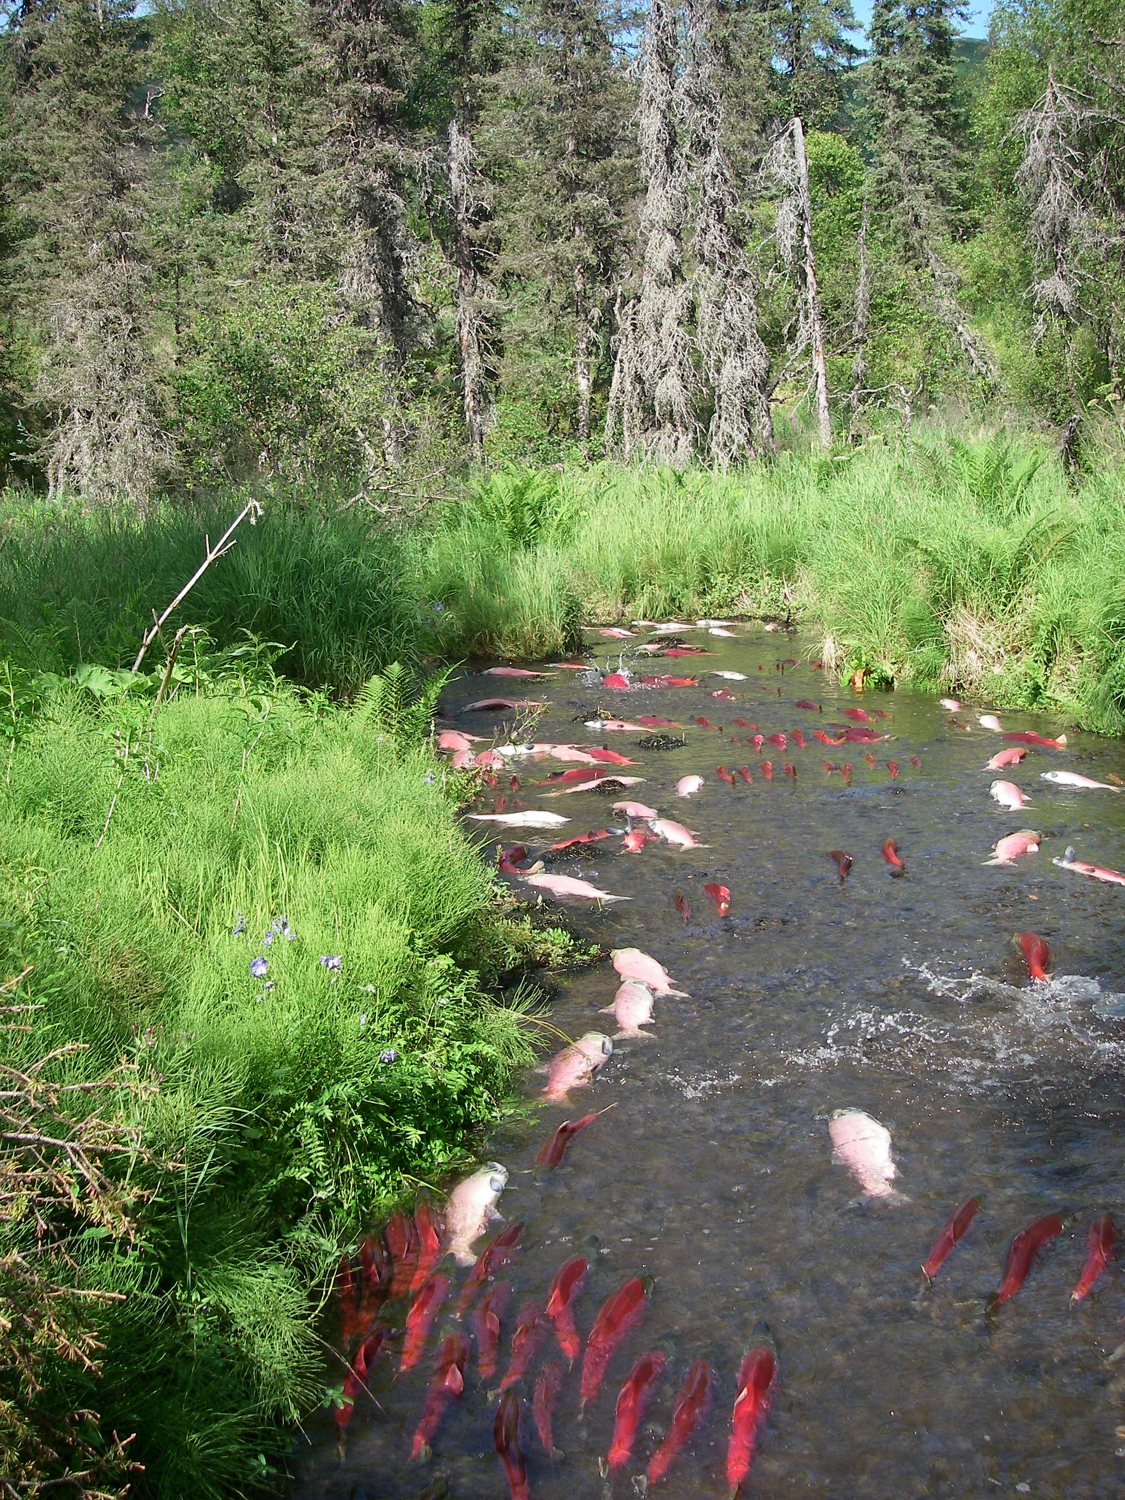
column 812, row 296
column 862, row 316
column 473, row 390
column 582, row 373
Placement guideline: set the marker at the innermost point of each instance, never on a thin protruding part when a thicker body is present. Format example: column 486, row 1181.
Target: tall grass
column 975, row 566
column 149, row 857
column 81, row 587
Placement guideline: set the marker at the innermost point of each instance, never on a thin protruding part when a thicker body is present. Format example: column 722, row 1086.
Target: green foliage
column 149, row 857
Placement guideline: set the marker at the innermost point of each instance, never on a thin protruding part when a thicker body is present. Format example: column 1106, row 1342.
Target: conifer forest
column 345, row 344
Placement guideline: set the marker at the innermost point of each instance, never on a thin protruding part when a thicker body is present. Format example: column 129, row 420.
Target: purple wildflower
column 334, row 963
column 389, row 1056
column 258, row 968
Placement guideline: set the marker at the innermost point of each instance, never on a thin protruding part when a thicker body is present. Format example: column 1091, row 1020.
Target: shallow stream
column 905, row 997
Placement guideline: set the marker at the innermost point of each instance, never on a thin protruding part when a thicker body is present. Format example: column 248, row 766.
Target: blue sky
column 978, row 16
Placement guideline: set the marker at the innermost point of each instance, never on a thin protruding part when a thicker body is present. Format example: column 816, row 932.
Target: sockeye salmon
column 632, row 1401
column 583, row 838
column 720, row 896
column 531, row 1329
column 420, row 1319
column 1005, row 758
column 680, row 902
column 1081, row 867
column 842, row 861
column 1099, row 1248
column 635, row 840
column 778, row 740
column 402, row 1246
column 506, row 1438
column 553, row 1152
column 766, row 769
column 486, row 1327
column 1025, row 737
column 813, row 708
column 428, row 1231
column 355, row 1381
column 695, row 1398
column 448, row 1385
column 892, row 767
column 1036, row 955
column 950, row 1237
column 569, row 1281
column 891, row 855
column 547, row 1389
column 724, row 775
column 1023, row 1251
column 846, row 772
column 744, row 772
column 799, row 740
column 790, row 770
column 756, row 1382
column 495, row 1254
column 742, row 724
column 826, row 739
column 618, row 1316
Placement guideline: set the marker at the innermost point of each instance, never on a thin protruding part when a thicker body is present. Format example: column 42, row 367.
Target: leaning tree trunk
column 787, row 162
column 470, row 321
column 812, row 296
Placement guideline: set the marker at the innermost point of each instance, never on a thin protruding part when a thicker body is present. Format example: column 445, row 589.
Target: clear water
column 713, row 1174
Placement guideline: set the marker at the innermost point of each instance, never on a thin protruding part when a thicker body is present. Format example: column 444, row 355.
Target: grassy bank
column 256, row 918
column 972, row 566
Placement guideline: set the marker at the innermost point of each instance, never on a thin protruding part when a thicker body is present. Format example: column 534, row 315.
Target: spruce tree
column 917, row 126
column 563, row 117
column 812, row 53
column 81, row 132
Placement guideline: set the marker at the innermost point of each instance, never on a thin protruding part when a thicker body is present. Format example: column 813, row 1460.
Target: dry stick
column 252, row 509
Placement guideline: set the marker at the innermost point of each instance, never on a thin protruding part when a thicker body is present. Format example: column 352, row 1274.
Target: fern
column 388, row 705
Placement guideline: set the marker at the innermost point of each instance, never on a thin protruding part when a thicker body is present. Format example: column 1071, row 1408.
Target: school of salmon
column 393, row 1291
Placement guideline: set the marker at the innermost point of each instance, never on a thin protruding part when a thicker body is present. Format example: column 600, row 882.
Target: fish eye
column 497, row 1184
column 607, row 1046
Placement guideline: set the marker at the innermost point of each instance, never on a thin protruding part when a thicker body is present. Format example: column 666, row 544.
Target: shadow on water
column 904, row 997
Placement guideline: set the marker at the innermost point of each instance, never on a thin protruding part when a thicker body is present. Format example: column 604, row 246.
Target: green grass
column 287, row 1109
column 972, row 566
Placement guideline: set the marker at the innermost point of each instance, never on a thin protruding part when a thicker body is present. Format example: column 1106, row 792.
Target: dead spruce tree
column 652, row 393
column 472, row 293
column 83, row 142
column 787, row 164
column 734, row 359
column 1054, row 185
column 369, row 159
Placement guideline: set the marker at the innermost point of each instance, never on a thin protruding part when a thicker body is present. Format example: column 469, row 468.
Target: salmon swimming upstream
column 486, row 1327
column 691, row 1409
column 495, row 1254
column 569, row 1281
column 506, row 1439
column 950, row 1237
column 1024, row 1248
column 449, row 1384
column 618, row 1316
column 632, row 1403
column 1099, row 1248
column 547, row 1388
column 757, row 1381
column 552, row 1153
column 1077, row 866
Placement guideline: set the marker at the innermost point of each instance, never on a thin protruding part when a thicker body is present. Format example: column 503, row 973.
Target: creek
column 713, row 1174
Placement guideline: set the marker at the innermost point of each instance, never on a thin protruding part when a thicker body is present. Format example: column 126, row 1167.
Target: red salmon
column 891, row 855
column 1099, row 1248
column 448, row 1385
column 679, row 901
column 847, row 774
column 347, row 1295
column 486, row 1326
column 553, row 1152
column 1023, row 1251
column 617, row 682
column 915, row 762
column 742, row 724
column 568, row 1282
column 547, row 1389
column 826, row 739
column 610, row 757
column 583, row 838
column 842, row 861
column 506, row 1437
column 635, row 840
column 498, row 1250
column 892, row 767
column 671, row 682
column 870, row 759
column 799, row 740
column 420, row 1319
column 758, row 741
column 813, row 708
column 356, row 1380
column 691, row 1408
column 622, row 1311
column 766, row 769
column 403, row 1248
column 1025, row 737
column 756, row 1382
column 777, row 739
column 950, row 1237
column 650, row 723
column 790, row 770
column 428, row 1229
column 724, row 775
column 631, row 1403
column 531, row 1329
column 858, row 715
column 720, row 896
column 1036, row 955
column 827, row 767
column 705, row 724
column 744, row 772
